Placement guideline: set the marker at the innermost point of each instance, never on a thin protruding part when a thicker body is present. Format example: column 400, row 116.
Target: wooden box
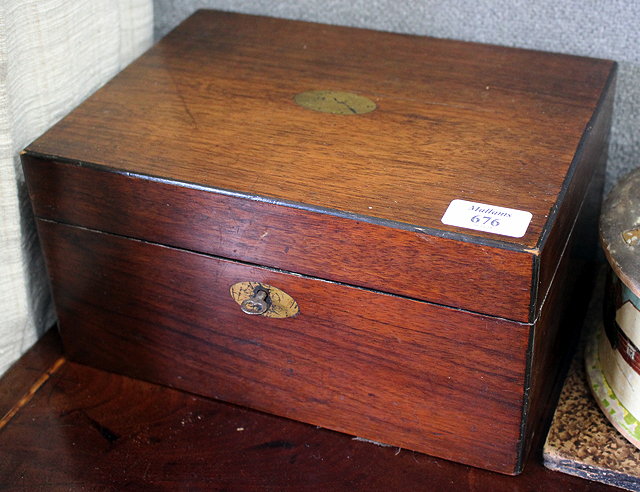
column 207, row 168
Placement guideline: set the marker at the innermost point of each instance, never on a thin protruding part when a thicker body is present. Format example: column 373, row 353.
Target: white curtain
column 53, row 54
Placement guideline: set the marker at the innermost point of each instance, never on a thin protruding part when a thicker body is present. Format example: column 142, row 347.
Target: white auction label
column 487, row 218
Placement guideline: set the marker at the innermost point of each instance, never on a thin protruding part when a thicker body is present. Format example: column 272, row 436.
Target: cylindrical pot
column 613, row 353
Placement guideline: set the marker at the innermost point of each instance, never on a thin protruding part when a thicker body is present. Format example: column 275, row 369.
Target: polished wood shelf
column 69, row 426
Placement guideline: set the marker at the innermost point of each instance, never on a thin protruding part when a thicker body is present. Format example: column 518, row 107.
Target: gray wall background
column 597, row 28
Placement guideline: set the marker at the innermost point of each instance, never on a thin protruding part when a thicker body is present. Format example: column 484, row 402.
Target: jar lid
column 620, row 230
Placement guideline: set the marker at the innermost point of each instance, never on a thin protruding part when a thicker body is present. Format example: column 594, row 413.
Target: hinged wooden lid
column 215, row 107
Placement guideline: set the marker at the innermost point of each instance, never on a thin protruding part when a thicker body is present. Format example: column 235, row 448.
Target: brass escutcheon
column 335, row 102
column 263, row 299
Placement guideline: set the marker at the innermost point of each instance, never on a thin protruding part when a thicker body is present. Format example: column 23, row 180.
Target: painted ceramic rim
column 627, row 349
column 618, row 415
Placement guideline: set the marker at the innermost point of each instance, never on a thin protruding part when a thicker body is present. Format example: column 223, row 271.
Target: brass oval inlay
column 335, row 102
column 280, row 304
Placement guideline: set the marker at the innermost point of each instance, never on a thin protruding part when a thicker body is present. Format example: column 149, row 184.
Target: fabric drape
column 53, row 54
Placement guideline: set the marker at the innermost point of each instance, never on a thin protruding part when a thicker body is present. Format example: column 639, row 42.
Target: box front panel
column 414, row 264
column 412, row 374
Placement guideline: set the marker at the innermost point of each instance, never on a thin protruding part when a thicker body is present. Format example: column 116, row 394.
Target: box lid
column 356, row 198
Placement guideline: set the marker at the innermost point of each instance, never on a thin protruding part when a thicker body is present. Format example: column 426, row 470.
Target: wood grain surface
column 564, row 286
column 554, row 339
column 87, row 429
column 212, row 103
column 414, row 264
column 26, row 373
column 575, row 232
column 417, row 375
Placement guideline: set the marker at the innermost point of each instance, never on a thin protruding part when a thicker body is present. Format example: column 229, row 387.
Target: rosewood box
column 370, row 232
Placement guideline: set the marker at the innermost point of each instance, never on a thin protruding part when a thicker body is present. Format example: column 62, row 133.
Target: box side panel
column 413, row 264
column 404, row 372
column 555, row 336
column 567, row 276
column 579, row 205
